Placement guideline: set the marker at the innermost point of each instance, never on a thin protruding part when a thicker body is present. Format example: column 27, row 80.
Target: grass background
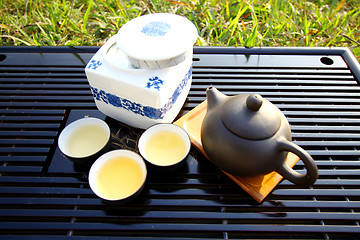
column 323, row 23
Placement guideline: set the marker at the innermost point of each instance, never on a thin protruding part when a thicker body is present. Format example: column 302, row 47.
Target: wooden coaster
column 258, row 187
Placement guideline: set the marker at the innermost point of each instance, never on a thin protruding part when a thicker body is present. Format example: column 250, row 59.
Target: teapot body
column 240, row 156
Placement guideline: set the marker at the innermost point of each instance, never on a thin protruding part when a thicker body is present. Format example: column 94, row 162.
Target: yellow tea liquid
column 118, row 178
column 165, row 148
column 86, row 140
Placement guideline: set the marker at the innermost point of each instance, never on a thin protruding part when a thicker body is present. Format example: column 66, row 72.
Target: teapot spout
column 214, row 97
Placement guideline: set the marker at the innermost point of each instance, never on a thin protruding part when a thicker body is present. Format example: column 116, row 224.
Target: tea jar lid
column 251, row 117
column 157, row 36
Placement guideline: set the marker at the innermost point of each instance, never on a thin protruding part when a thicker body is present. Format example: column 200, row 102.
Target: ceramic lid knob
column 254, row 102
column 251, row 117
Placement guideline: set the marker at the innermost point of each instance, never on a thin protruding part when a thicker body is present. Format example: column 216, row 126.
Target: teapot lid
column 251, row 117
column 156, row 36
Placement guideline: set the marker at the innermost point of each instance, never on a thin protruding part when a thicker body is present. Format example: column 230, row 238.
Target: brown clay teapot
column 246, row 135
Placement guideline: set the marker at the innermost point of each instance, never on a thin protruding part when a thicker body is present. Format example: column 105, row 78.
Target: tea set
column 141, row 77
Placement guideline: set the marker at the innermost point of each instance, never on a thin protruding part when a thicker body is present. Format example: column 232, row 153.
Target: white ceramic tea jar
column 142, row 75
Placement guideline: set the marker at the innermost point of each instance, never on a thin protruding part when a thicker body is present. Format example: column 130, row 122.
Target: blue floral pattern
column 155, row 82
column 147, row 111
column 155, row 29
column 93, row 64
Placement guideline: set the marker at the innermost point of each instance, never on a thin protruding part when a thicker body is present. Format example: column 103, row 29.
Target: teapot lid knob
column 254, row 102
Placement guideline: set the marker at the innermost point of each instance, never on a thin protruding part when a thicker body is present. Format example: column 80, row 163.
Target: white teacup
column 118, row 175
column 164, row 145
column 85, row 139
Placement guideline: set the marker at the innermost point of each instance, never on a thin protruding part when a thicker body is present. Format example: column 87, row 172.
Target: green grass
column 249, row 23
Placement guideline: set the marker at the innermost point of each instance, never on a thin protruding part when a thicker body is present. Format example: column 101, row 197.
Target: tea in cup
column 85, row 139
column 164, row 145
column 118, row 175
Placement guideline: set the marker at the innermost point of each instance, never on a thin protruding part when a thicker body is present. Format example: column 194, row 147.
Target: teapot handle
column 287, row 172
